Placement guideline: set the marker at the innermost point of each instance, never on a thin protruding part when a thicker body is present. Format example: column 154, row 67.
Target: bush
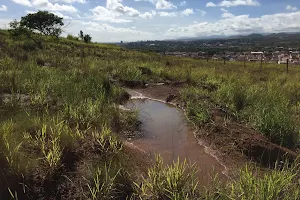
column 29, row 45
column 71, row 37
column 233, row 95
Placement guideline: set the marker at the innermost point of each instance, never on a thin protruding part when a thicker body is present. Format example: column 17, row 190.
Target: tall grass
column 278, row 184
column 66, row 93
column 175, row 181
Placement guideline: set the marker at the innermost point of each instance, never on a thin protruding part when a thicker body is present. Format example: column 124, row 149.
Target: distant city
column 273, row 48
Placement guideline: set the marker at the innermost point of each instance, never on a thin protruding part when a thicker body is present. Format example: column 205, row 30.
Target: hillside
column 63, row 134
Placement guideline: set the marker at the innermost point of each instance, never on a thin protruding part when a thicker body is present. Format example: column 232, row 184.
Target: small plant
column 108, row 143
column 104, row 184
column 11, row 146
column 50, row 146
column 174, row 182
column 278, row 184
column 199, row 113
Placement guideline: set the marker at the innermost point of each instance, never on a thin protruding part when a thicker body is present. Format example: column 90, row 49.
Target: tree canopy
column 43, row 22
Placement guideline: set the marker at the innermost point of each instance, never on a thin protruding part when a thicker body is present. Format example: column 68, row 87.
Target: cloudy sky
column 132, row 20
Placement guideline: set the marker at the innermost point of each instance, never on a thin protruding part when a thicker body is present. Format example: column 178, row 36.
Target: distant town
column 273, row 48
column 279, row 57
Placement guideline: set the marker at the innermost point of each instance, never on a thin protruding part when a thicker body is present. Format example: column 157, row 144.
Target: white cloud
column 210, row 4
column 46, row 5
column 103, row 14
column 148, row 15
column 291, row 8
column 23, row 2
column 242, row 24
column 70, row 1
column 3, row 8
column 116, row 12
column 164, row 5
column 232, row 3
column 183, row 3
column 187, row 12
column 167, row 14
column 161, row 4
column 117, row 6
column 227, row 15
column 59, row 14
column 184, row 13
column 224, row 10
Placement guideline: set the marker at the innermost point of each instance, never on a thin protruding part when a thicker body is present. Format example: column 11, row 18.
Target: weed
column 176, row 181
column 108, row 143
column 279, row 184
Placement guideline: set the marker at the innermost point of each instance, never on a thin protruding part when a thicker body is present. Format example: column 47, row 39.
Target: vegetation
column 61, row 128
column 85, row 37
column 44, row 22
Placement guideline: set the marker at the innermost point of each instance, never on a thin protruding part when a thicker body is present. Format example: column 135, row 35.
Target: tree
column 87, row 38
column 43, row 22
column 81, row 36
column 16, row 30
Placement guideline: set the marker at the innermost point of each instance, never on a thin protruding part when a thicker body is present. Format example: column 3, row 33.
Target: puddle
column 166, row 132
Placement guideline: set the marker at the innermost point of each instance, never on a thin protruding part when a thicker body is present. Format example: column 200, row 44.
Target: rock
column 170, row 98
column 145, row 71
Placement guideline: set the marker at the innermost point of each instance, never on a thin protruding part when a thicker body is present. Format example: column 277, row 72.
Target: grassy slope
column 58, row 115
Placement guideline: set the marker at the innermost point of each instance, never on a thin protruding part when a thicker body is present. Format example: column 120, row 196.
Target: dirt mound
column 238, row 140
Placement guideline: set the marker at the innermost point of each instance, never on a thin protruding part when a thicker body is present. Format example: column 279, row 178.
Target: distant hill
column 253, row 36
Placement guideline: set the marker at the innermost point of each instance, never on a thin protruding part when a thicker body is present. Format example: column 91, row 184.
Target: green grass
column 58, row 102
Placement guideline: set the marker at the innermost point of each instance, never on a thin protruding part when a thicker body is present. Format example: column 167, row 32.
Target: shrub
column 29, row 45
column 71, row 37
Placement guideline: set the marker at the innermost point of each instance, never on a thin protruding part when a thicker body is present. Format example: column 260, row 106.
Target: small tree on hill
column 43, row 22
column 31, row 25
column 87, row 38
column 81, row 36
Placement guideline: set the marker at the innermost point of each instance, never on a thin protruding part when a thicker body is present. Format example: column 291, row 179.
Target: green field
column 61, row 128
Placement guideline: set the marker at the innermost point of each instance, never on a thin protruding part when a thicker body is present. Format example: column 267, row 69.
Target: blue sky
column 133, row 20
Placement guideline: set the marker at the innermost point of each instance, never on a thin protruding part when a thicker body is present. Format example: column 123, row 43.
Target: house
column 283, row 58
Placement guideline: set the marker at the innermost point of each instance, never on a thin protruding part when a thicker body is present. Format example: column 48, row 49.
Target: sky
column 135, row 20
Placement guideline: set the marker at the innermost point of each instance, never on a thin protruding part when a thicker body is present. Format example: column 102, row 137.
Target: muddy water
column 165, row 131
